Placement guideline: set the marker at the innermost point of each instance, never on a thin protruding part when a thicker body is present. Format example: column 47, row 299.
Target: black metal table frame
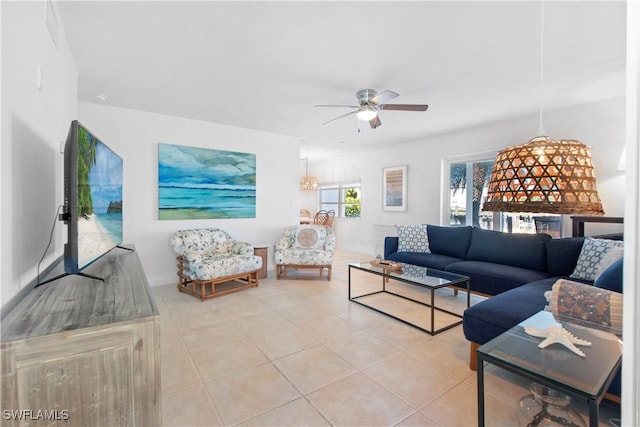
column 386, row 276
column 593, row 401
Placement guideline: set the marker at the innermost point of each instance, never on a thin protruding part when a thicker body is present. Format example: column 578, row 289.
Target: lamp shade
column 544, row 176
column 308, row 183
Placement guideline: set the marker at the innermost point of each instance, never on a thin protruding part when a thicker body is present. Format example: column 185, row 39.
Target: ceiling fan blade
column 375, row 122
column 384, row 96
column 340, row 117
column 331, row 105
column 404, row 107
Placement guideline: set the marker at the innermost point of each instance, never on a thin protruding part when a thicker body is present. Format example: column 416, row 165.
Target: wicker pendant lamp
column 543, row 175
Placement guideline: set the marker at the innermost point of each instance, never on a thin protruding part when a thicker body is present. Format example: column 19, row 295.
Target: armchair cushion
column 310, row 237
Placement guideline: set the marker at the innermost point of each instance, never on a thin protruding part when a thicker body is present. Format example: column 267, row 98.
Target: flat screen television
column 93, row 178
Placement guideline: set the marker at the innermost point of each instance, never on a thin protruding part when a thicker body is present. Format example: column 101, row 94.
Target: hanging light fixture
column 543, row 175
column 308, row 183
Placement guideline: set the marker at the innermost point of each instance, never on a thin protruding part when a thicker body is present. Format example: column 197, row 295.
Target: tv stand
column 91, row 350
column 89, row 276
column 60, row 276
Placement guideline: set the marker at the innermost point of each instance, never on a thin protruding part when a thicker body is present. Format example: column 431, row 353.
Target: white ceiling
column 263, row 65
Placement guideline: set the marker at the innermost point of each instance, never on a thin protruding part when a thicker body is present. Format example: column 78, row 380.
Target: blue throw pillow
column 611, row 278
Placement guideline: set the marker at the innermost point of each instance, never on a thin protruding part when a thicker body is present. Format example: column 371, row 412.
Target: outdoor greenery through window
column 468, row 188
column 344, row 199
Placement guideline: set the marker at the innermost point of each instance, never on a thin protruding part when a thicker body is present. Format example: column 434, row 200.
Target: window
column 473, row 173
column 344, row 199
column 467, row 188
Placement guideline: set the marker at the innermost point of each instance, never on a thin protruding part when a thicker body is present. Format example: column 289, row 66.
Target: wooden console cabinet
column 82, row 352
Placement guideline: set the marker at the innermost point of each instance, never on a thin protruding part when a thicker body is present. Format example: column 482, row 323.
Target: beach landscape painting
column 202, row 183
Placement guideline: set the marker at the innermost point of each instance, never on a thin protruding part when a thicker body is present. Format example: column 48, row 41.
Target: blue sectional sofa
column 515, row 270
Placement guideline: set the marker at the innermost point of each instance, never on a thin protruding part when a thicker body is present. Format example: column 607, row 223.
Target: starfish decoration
column 557, row 334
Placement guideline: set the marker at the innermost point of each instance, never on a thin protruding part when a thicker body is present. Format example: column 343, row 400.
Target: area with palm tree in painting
column 99, row 198
column 200, row 183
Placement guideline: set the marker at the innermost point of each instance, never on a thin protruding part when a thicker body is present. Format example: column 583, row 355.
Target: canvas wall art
column 201, row 183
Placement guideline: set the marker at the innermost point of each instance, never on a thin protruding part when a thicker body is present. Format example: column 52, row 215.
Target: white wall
column 135, row 135
column 599, row 125
column 34, row 122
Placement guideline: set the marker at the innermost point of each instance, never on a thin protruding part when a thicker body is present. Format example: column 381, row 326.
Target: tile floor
column 297, row 352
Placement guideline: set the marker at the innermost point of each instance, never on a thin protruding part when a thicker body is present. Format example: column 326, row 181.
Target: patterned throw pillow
column 310, row 236
column 413, row 238
column 586, row 302
column 593, row 251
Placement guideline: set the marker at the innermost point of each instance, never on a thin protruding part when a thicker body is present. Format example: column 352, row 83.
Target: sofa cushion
column 518, row 250
column 412, row 238
column 593, row 250
column 562, row 255
column 437, row 261
column 492, row 279
column 451, row 241
column 486, row 320
column 611, row 278
column 614, row 254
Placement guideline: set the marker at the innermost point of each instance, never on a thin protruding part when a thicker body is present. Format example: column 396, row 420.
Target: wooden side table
column 262, row 251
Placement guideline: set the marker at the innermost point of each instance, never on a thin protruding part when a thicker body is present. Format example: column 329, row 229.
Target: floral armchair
column 210, row 256
column 305, row 247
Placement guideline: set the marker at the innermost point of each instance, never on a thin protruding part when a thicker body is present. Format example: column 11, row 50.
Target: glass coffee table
column 408, row 307
column 556, row 366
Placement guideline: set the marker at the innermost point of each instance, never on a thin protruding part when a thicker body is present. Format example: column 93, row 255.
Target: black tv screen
column 93, row 198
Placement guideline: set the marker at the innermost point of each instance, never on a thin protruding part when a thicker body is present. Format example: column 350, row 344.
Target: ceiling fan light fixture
column 367, row 113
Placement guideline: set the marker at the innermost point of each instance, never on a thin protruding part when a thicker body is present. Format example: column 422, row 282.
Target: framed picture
column 202, row 183
column 394, row 188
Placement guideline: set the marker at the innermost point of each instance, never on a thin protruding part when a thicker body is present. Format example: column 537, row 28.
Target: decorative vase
column 547, row 407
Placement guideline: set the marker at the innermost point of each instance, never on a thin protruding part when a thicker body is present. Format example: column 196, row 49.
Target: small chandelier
column 544, row 176
column 308, row 183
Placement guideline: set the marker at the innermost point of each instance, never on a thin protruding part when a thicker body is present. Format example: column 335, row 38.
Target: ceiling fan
column 371, row 103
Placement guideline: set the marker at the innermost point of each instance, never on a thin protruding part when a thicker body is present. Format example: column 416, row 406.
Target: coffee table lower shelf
column 440, row 280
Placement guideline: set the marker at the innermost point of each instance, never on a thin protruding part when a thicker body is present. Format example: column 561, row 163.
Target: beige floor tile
column 417, row 420
column 167, row 326
column 361, row 349
column 399, row 334
column 363, row 317
column 226, row 357
column 437, row 354
column 413, row 381
column 177, row 371
column 200, row 315
column 359, row 401
column 459, row 407
column 326, row 328
column 285, row 299
column 313, row 368
column 245, row 308
column 282, row 341
column 261, row 322
column 293, row 414
column 302, row 312
column 246, row 394
column 189, row 407
column 206, row 335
